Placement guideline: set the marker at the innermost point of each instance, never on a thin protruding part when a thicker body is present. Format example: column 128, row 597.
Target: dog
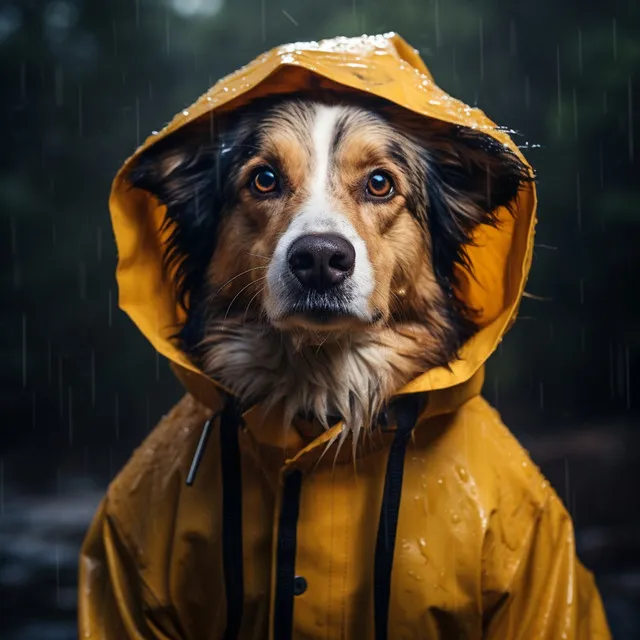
column 316, row 244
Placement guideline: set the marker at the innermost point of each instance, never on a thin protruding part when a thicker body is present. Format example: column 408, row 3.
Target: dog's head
column 317, row 219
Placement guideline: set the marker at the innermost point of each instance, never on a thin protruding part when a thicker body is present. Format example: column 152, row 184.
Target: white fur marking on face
column 320, row 215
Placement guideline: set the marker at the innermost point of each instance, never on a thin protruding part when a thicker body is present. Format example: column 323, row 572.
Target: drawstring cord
column 406, row 412
column 230, row 419
column 202, row 443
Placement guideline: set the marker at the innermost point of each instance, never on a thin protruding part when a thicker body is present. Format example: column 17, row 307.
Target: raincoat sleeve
column 535, row 585
column 114, row 602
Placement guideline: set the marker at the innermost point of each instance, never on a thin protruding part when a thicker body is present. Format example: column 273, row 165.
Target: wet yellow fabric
column 485, row 549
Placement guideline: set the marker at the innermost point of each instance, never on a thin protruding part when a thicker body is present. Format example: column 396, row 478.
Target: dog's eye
column 379, row 184
column 264, row 181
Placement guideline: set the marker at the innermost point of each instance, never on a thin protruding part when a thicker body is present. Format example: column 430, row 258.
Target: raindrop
column 157, row 356
column 93, row 378
column 110, row 309
column 82, row 281
column 436, row 20
column 614, row 38
column 627, row 373
column 116, row 419
column 70, row 412
column 566, row 481
column 264, row 22
column 49, row 361
column 24, row 350
column 57, row 575
column 114, row 35
column 137, row 14
column 578, row 201
column 581, row 290
column 1, row 486
column 481, row 35
column 583, row 339
column 559, row 89
column 575, row 114
column 290, row 17
column 580, row 66
column 454, row 67
column 80, row 109
column 137, row 121
column 611, row 371
column 513, row 45
column 59, row 86
column 630, row 132
column 167, row 33
column 605, row 106
column 541, row 394
column 33, row 410
column 455, row 518
column 601, row 166
column 23, row 80
column 99, row 244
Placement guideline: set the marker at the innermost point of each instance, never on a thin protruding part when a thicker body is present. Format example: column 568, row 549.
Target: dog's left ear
column 470, row 175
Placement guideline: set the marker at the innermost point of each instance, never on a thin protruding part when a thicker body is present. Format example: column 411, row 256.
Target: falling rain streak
column 630, row 131
column 559, row 83
column 70, row 415
column 24, row 350
column 578, row 202
column 481, row 37
column 290, row 18
column 575, row 114
column 580, row 54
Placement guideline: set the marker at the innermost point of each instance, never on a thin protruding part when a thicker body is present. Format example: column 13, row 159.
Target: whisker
column 235, row 278
column 239, row 292
column 246, row 311
column 257, row 255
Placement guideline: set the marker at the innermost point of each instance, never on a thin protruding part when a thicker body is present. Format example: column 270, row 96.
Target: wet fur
column 453, row 180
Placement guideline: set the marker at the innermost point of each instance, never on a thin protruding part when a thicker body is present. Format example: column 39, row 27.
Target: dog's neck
column 351, row 375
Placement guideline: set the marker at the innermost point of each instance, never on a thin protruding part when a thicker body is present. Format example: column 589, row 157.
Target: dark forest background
column 82, row 82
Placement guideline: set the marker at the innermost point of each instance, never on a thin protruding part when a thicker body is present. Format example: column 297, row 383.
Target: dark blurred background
column 82, row 82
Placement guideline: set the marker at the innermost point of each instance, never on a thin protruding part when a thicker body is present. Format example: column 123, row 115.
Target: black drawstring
column 230, row 422
column 406, row 410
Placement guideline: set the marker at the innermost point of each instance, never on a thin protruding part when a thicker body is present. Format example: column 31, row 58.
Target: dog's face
column 320, row 219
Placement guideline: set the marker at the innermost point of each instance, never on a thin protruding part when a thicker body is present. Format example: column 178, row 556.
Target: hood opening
column 384, row 67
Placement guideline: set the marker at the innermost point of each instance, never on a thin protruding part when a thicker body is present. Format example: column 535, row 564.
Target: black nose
column 321, row 261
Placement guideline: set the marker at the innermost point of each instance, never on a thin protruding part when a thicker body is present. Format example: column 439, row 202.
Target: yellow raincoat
column 449, row 533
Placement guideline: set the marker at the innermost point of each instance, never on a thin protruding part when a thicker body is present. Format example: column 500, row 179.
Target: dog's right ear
column 190, row 172
column 171, row 168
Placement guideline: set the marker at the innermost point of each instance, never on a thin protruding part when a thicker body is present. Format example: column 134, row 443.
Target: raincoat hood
column 384, row 66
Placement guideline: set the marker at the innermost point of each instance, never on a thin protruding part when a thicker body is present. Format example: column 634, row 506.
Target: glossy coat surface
column 484, row 549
